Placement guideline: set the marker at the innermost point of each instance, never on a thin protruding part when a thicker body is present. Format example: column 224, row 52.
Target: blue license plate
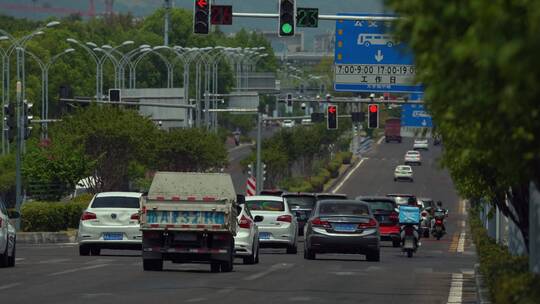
column 264, row 236
column 113, row 236
column 345, row 227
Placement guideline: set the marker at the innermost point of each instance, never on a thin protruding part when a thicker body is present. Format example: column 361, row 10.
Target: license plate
column 264, row 236
column 189, row 237
column 113, row 236
column 345, row 227
column 185, row 217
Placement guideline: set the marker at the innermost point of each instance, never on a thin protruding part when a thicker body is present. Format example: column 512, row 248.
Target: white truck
column 189, row 217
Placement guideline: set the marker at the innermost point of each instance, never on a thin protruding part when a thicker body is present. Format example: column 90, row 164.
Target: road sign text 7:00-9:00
column 375, row 69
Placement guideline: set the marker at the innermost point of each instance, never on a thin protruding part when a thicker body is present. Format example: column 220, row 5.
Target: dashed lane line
column 454, row 244
column 8, row 286
column 336, row 189
column 380, row 140
column 461, row 243
column 78, row 269
column 456, row 289
column 274, row 268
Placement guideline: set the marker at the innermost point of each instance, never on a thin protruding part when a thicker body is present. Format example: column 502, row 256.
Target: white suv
column 8, row 238
column 111, row 221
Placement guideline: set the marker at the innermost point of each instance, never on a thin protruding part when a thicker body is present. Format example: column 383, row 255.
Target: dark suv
column 301, row 205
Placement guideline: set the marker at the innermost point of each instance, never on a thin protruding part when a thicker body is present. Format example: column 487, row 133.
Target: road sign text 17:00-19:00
column 375, row 73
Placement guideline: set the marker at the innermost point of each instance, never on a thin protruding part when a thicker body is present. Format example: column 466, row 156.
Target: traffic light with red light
column 287, row 17
column 201, row 18
column 332, row 117
column 373, row 116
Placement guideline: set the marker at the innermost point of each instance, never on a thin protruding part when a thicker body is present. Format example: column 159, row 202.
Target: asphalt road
column 440, row 272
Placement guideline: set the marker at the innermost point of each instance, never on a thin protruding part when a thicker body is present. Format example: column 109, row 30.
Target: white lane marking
column 195, row 300
column 8, row 286
column 54, row 261
column 461, row 243
column 78, row 269
column 274, row 268
column 99, row 261
column 456, row 289
column 380, row 140
column 343, row 273
column 300, row 299
column 373, row 268
column 19, row 259
column 226, row 290
column 336, row 189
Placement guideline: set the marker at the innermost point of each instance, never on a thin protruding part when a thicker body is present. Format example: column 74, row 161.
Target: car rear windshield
column 381, row 205
column 401, row 200
column 413, row 153
column 331, row 197
column 265, row 206
column 116, row 202
column 338, row 208
column 300, row 201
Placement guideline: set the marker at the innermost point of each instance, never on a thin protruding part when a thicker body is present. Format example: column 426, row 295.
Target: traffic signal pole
column 259, row 178
column 18, row 164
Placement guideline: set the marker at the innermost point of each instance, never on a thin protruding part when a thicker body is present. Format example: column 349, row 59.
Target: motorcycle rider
column 439, row 208
column 411, row 201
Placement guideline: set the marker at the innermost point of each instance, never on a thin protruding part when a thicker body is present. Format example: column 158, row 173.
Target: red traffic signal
column 373, row 116
column 332, row 117
column 201, row 18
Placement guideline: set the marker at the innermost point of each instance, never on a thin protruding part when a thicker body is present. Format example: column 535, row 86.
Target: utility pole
column 167, row 6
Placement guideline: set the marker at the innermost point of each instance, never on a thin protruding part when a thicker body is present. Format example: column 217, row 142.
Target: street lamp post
column 94, row 57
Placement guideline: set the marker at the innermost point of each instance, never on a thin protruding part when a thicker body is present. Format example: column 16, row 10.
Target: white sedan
column 420, row 144
column 413, row 157
column 7, row 238
column 111, row 221
column 288, row 123
column 403, row 172
column 246, row 241
column 279, row 227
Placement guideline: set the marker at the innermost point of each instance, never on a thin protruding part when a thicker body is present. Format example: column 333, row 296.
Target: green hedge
column 53, row 216
column 506, row 276
column 346, row 157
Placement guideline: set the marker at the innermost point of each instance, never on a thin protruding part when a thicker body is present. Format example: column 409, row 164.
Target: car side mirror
column 258, row 218
column 13, row 214
column 240, row 199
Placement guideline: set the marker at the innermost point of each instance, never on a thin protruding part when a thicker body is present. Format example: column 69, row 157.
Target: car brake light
column 394, row 217
column 424, row 214
column 438, row 222
column 245, row 223
column 135, row 216
column 316, row 222
column 284, row 218
column 88, row 216
column 371, row 224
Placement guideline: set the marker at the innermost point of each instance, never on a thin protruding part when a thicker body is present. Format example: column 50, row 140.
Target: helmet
column 439, row 204
column 412, row 201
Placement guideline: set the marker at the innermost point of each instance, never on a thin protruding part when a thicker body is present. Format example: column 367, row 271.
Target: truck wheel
column 84, row 250
column 152, row 265
column 214, row 267
column 228, row 265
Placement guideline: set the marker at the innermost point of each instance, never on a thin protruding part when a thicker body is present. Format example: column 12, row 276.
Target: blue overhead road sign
column 369, row 59
column 415, row 115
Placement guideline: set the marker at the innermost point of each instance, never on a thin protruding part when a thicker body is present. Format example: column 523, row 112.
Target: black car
column 330, row 196
column 301, row 205
column 385, row 211
column 342, row 226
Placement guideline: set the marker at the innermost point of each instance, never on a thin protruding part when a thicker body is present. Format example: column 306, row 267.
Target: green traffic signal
column 286, row 28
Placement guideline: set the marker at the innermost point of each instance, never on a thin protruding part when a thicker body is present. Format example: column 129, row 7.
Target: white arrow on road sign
column 424, row 123
column 379, row 57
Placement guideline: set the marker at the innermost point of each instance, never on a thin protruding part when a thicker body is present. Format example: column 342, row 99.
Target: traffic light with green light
column 287, row 17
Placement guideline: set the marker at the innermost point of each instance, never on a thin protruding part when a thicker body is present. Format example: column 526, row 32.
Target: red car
column 385, row 211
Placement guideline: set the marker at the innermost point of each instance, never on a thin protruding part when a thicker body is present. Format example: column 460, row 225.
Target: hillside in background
column 40, row 9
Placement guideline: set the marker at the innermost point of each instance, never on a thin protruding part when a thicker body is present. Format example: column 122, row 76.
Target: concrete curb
column 45, row 237
column 482, row 292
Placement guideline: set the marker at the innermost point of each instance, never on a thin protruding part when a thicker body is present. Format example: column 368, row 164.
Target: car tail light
column 438, row 222
column 88, row 216
column 424, row 213
column 317, row 222
column 371, row 224
column 135, row 217
column 394, row 217
column 245, row 223
column 284, row 218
